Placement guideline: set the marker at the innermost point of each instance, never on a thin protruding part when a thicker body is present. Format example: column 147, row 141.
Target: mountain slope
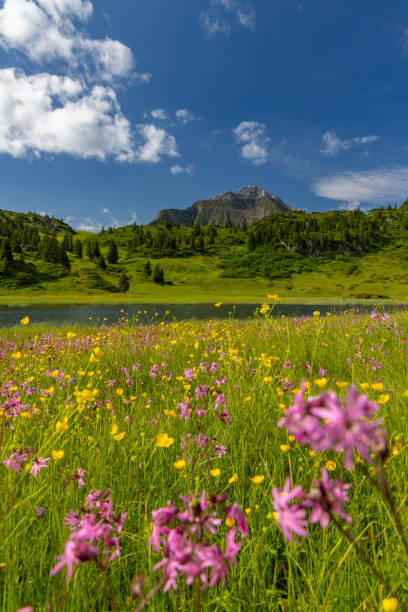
column 248, row 204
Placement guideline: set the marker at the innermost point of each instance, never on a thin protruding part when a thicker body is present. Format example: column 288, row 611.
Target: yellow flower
column 312, row 453
column 341, row 384
column 331, row 466
column 257, row 479
column 379, row 386
column 390, row 604
column 285, row 448
column 364, row 386
column 230, row 522
column 25, row 321
column 119, row 436
column 62, row 426
column 383, row 399
column 320, row 382
column 215, row 472
column 57, row 454
column 54, row 373
column 70, row 335
column 164, row 441
column 171, row 413
column 114, row 429
column 16, row 355
column 316, row 313
column 292, row 438
column 265, row 308
column 274, row 298
column 119, row 391
column 233, row 478
column 268, row 379
column 179, row 464
column 218, row 304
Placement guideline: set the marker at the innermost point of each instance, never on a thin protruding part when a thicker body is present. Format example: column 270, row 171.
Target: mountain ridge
column 231, row 208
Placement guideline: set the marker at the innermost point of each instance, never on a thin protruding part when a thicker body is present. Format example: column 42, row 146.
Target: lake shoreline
column 57, row 301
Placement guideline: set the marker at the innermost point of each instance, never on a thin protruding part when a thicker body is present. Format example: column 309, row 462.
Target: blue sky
column 111, row 111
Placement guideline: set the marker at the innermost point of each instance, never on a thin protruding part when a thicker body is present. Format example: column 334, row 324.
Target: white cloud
column 157, row 143
column 381, row 186
column 177, row 169
column 185, row 116
column 159, row 114
column 247, row 18
column 45, row 113
column 251, row 135
column 81, row 9
column 227, row 4
column 69, row 219
column 215, row 20
column 89, row 225
column 44, row 31
column 333, row 144
column 214, row 25
column 350, row 205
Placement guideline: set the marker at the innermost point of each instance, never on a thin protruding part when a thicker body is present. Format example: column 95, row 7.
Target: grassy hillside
column 297, row 255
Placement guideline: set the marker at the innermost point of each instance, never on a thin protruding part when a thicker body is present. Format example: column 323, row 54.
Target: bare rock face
column 248, row 204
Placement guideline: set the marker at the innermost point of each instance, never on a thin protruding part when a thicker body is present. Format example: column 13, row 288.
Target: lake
column 97, row 314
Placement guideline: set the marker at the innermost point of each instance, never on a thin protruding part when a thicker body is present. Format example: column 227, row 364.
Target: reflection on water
column 145, row 313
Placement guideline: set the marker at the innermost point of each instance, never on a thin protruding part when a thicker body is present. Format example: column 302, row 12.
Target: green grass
column 321, row 573
column 198, row 279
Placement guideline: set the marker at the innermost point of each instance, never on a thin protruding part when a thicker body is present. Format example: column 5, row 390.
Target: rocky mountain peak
column 252, row 191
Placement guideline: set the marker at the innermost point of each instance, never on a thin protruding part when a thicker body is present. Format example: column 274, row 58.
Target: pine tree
column 5, row 250
column 158, row 275
column 113, row 254
column 101, row 262
column 148, row 268
column 123, row 283
column 78, row 248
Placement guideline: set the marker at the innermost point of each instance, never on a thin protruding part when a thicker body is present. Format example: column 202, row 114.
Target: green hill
column 337, row 254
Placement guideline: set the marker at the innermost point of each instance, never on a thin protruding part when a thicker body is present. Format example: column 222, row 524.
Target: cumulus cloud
column 44, row 31
column 157, row 142
column 217, row 19
column 177, row 169
column 45, row 113
column 247, row 18
column 253, row 140
column 89, row 225
column 213, row 25
column 350, row 205
column 333, row 144
column 185, row 116
column 381, row 186
column 77, row 114
column 159, row 114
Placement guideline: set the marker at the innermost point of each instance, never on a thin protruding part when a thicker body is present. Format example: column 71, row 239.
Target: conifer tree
column 123, row 283
column 113, row 254
column 78, row 248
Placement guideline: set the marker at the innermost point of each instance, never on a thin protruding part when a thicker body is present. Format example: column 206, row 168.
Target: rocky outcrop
column 248, row 204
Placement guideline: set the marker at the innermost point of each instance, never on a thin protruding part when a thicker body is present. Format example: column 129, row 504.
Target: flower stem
column 363, row 557
column 148, row 597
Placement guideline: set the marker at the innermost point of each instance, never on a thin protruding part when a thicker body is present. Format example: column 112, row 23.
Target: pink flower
column 76, row 551
column 324, row 423
column 326, row 497
column 38, row 464
column 180, row 534
column 79, row 477
column 290, row 516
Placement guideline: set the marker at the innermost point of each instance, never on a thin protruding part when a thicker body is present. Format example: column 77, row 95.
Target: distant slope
column 43, row 223
column 248, row 204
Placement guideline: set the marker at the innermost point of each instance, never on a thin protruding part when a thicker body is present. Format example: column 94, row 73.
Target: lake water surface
column 97, row 314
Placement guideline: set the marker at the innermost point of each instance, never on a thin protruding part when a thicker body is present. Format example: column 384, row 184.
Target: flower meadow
column 216, row 465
